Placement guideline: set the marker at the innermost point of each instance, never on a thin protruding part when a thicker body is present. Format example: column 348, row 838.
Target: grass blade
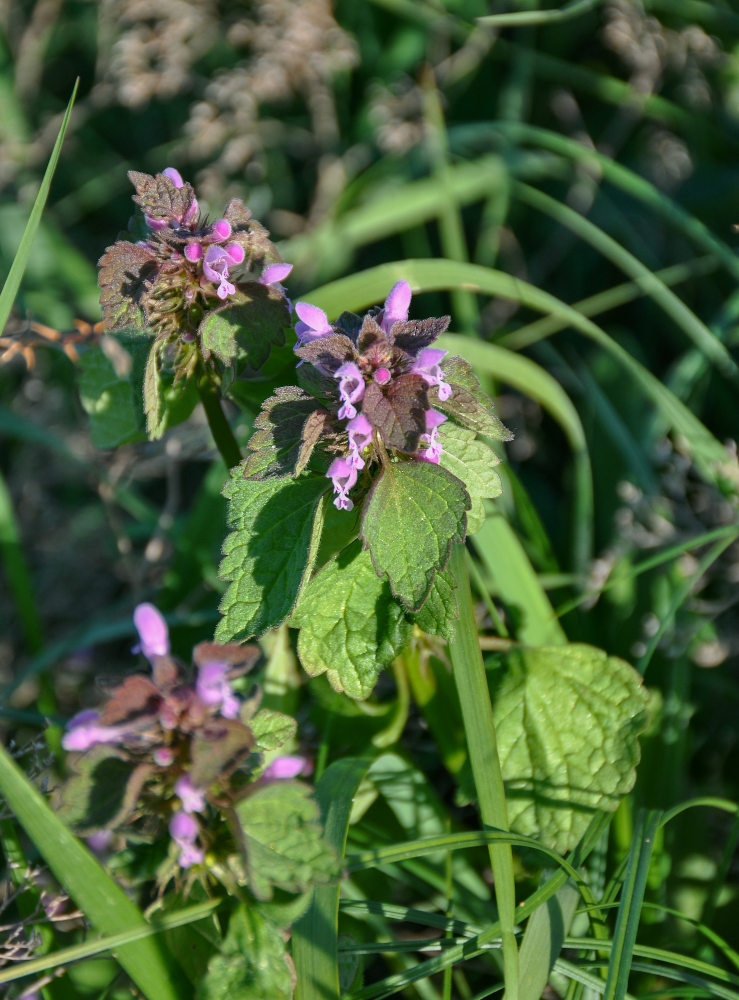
column 105, row 905
column 525, row 18
column 12, row 282
column 629, row 911
column 315, row 936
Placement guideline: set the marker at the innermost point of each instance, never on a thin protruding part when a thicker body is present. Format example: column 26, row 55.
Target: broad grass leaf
column 567, row 720
column 282, row 839
column 473, row 462
column 267, row 551
column 351, row 627
column 252, row 963
column 411, row 516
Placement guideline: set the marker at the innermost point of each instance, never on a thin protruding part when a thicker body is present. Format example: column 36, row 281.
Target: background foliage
column 590, row 157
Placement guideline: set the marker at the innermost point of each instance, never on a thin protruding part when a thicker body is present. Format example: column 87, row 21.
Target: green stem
column 477, row 715
column 219, row 427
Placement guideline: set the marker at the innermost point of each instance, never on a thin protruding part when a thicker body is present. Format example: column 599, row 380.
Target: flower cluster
column 386, row 377
column 189, row 744
column 184, row 264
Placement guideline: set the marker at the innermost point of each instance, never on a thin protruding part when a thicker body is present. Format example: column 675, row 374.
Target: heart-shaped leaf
column 351, row 627
column 412, row 515
column 567, row 720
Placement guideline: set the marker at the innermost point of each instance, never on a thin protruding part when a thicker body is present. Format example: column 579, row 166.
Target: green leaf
column 468, row 404
column 411, row 516
column 440, row 611
column 271, row 729
column 266, row 554
column 283, row 840
column 278, row 443
column 245, row 330
column 252, row 963
column 473, row 462
column 107, row 387
column 567, row 720
column 102, row 792
column 350, row 624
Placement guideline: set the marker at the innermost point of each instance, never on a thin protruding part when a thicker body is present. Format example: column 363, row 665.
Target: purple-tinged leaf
column 217, row 749
column 159, row 198
column 313, row 430
column 127, row 272
column 328, row 353
column 277, row 441
column 416, row 334
column 398, row 411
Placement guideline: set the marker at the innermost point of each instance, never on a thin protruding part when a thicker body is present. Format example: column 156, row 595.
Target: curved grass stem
column 477, row 715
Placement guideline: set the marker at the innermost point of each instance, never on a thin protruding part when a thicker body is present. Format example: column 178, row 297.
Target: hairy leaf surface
column 351, row 626
column 411, row 516
column 567, row 720
column 266, row 553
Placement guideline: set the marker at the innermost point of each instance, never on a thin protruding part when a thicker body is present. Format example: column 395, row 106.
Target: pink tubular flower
column 343, row 475
column 313, row 323
column 274, row 274
column 433, row 448
column 213, row 688
column 192, row 799
column 351, row 389
column 217, row 261
column 396, row 305
column 152, row 630
column 427, row 365
column 84, row 731
column 359, row 430
column 184, row 829
column 286, row 767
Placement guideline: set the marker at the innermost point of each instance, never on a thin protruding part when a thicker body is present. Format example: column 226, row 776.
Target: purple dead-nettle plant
column 387, row 380
column 184, row 267
column 182, row 750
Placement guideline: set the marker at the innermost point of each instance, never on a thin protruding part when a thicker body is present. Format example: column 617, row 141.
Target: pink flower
column 192, row 799
column 343, row 475
column 427, row 365
column 351, row 389
column 84, row 731
column 285, row 767
column 274, row 274
column 313, row 323
column 359, row 430
column 213, row 688
column 396, row 305
column 216, row 263
column 184, row 829
column 432, row 445
column 152, row 630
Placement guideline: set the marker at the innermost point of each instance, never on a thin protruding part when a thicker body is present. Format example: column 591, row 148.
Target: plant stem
column 477, row 715
column 219, row 426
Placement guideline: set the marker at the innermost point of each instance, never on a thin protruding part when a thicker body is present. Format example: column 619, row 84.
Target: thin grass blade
column 13, row 280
